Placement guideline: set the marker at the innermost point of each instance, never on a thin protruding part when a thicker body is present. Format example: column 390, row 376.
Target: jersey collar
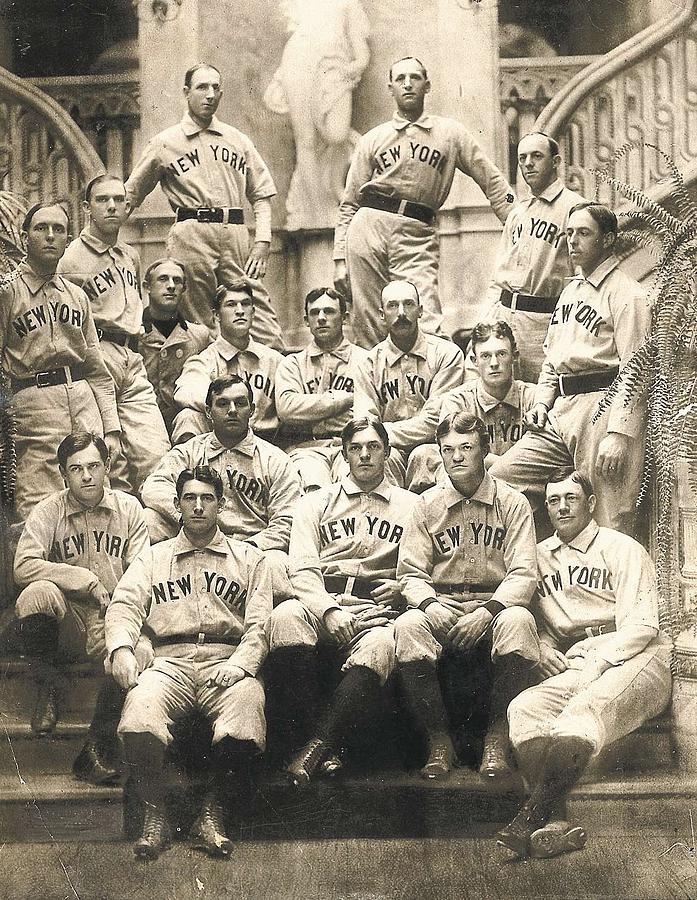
column 35, row 282
column 218, row 544
column 581, row 542
column 393, row 353
column 190, row 128
column 73, row 507
column 487, row 402
column 246, row 446
column 424, row 121
column 228, row 351
column 99, row 246
column 600, row 273
column 551, row 192
column 349, row 486
column 343, row 351
column 485, row 493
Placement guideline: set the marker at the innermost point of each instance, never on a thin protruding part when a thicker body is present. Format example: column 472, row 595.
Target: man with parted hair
column 233, row 352
column 467, row 571
column 51, row 353
column 108, row 270
column 400, row 176
column 168, row 339
column 604, row 662
column 207, row 169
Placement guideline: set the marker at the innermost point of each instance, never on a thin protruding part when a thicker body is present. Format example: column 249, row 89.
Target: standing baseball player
column 167, row 340
column 75, row 546
column 467, row 571
column 203, row 598
column 604, row 661
column 532, row 264
column 108, row 270
column 496, row 398
column 233, row 352
column 601, row 319
column 51, row 355
column 207, row 169
column 399, row 178
column 407, row 369
column 343, row 547
column 314, row 392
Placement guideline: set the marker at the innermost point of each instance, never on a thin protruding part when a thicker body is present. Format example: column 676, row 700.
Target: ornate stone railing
column 106, row 108
column 643, row 91
column 42, row 151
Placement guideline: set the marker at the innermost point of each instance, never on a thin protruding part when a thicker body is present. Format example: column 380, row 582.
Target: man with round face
column 51, row 353
column 532, row 265
column 108, row 270
column 75, row 546
column 399, row 178
column 204, row 598
column 604, row 663
column 407, row 369
column 207, row 169
column 314, row 391
column 467, row 571
column 600, row 321
column 168, row 340
column 343, row 549
column 233, row 352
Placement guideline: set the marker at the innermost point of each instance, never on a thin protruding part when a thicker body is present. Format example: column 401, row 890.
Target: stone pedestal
column 684, row 704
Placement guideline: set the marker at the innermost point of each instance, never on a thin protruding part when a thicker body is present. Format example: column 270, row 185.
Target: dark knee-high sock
column 352, row 706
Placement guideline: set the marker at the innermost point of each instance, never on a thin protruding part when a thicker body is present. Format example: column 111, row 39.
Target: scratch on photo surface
column 679, row 862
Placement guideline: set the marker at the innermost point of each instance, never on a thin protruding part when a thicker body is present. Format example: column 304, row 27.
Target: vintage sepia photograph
column 348, row 449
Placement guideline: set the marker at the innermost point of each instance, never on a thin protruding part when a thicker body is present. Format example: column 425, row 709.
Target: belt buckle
column 514, row 300
column 201, row 639
column 562, row 392
column 350, row 584
column 204, row 214
column 100, row 333
column 43, row 379
column 402, row 207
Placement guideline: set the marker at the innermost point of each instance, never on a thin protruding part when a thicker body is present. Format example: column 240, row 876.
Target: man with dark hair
column 168, row 340
column 233, row 352
column 209, row 648
column 207, row 169
column 51, row 354
column 601, row 319
column 108, row 270
column 604, row 660
column 261, row 486
column 314, row 391
column 467, row 571
column 405, row 370
column 75, row 546
column 496, row 398
column 343, row 548
column 399, row 178
column 532, row 264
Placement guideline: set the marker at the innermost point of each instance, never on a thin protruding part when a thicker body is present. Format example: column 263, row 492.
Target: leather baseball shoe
column 555, row 838
column 304, row 764
column 209, row 832
column 156, row 837
column 516, row 835
column 495, row 758
column 46, row 713
column 91, row 766
column 440, row 759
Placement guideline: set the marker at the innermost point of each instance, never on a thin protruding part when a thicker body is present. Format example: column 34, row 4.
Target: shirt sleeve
column 293, row 405
column 159, row 488
column 191, row 388
column 262, row 219
column 129, row 603
column 284, row 493
column 547, row 389
column 474, row 162
column 146, row 175
column 138, row 538
column 359, row 174
column 366, row 398
column 253, row 647
column 519, row 553
column 306, row 570
column 259, row 184
column 415, row 561
column 96, row 373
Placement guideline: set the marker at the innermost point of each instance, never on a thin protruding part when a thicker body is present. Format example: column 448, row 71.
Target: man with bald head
column 399, row 178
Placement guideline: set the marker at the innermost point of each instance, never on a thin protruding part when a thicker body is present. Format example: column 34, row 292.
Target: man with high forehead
column 207, row 169
column 400, row 176
column 50, row 351
column 604, row 662
column 601, row 319
column 467, row 571
column 532, row 263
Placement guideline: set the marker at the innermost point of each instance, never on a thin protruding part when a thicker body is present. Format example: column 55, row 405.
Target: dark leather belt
column 118, row 337
column 596, row 630
column 222, row 215
column 586, row 383
column 48, row 379
column 463, row 588
column 401, row 207
column 200, row 638
column 347, row 584
column 528, row 302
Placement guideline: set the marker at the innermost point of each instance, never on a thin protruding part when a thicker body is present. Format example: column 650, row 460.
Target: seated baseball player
column 604, row 660
column 233, row 352
column 168, row 340
column 467, row 571
column 260, row 485
column 343, row 548
column 405, row 370
column 75, row 546
column 203, row 599
column 496, row 398
column 314, row 391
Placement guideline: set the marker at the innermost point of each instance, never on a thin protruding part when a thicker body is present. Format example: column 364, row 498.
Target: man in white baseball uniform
column 343, row 548
column 601, row 319
column 233, row 352
column 400, row 176
column 75, row 546
column 203, row 599
column 108, row 270
column 532, row 264
column 315, row 392
column 467, row 571
column 604, row 662
column 207, row 169
column 168, row 340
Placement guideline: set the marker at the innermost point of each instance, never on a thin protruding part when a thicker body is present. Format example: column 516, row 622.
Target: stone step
column 78, row 685
column 27, row 753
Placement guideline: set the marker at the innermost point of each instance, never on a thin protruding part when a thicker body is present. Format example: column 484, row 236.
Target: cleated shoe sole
column 556, row 838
